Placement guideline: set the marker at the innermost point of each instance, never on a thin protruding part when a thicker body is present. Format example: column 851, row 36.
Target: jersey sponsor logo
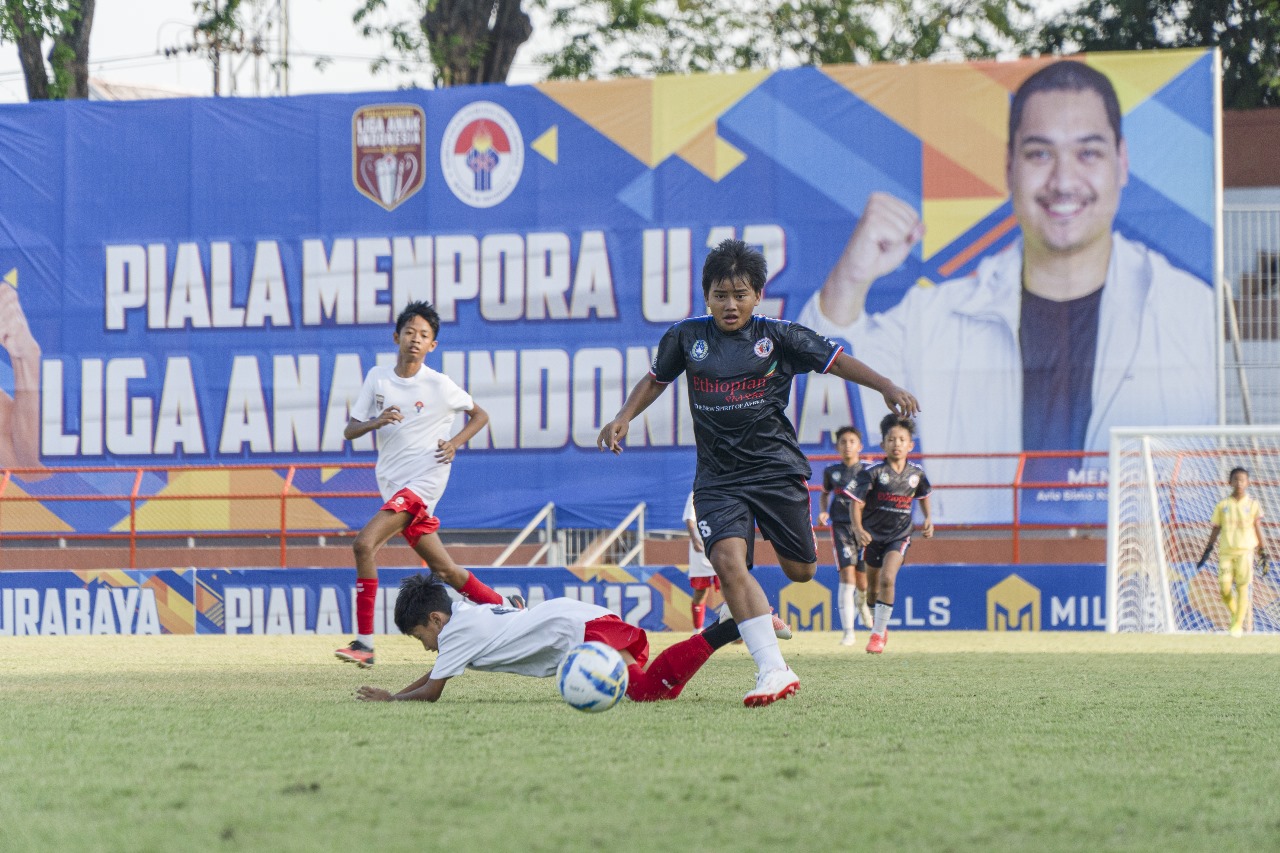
column 388, row 150
column 763, row 348
column 699, row 350
column 482, row 154
column 1013, row 605
column 399, row 500
column 379, row 401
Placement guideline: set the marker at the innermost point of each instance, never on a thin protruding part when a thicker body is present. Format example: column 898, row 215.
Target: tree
column 612, row 38
column 1247, row 32
column 65, row 24
column 465, row 41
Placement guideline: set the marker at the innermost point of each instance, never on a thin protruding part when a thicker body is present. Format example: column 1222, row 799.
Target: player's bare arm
column 477, row 418
column 860, row 535
column 899, row 400
column 19, row 414
column 926, row 528
column 641, row 397
column 425, row 689
column 356, row 428
column 886, row 232
column 824, row 517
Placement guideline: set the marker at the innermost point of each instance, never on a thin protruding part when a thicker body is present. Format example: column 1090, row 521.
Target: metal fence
column 1251, row 313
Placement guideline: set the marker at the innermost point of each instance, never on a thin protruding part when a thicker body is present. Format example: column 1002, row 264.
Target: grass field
column 959, row 741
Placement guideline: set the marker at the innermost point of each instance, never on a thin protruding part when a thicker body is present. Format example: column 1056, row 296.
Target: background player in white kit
column 702, row 577
column 413, row 408
column 532, row 642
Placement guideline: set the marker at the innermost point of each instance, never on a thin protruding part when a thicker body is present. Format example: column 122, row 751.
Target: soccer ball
column 592, row 677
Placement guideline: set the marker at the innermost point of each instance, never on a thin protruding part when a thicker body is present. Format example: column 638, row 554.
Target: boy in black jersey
column 882, row 498
column 751, row 471
column 853, row 571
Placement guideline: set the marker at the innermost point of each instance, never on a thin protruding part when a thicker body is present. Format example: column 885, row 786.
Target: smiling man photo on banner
column 1052, row 341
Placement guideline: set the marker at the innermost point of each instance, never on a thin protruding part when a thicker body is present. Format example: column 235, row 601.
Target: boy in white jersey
column 532, row 642
column 413, row 408
column 1238, row 519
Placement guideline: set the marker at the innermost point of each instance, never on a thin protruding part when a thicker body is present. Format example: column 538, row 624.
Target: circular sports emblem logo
column 699, row 351
column 884, row 478
column 913, row 481
column 482, row 154
column 763, row 347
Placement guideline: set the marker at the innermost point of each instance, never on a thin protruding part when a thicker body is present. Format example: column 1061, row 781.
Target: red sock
column 366, row 593
column 475, row 590
column 699, row 615
column 669, row 672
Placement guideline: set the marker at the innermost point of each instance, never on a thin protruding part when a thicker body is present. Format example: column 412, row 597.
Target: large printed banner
column 207, row 281
column 322, row 601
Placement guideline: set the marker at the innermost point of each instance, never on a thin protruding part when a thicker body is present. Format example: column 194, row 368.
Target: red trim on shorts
column 616, row 634
column 421, row 521
column 705, row 582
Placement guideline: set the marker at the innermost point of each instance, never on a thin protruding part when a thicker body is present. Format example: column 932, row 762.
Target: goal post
column 1162, row 487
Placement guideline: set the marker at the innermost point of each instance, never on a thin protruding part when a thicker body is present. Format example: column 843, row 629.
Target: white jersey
column 494, row 638
column 429, row 402
column 699, row 565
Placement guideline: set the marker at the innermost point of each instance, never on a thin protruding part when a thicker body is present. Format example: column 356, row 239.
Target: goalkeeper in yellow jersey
column 1238, row 520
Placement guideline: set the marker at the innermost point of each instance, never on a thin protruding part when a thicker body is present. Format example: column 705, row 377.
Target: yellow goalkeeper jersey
column 1236, row 519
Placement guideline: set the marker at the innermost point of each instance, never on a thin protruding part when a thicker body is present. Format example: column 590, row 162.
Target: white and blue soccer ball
column 592, row 677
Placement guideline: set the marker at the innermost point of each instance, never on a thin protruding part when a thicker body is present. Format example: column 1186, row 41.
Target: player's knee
column 799, row 572
column 365, row 547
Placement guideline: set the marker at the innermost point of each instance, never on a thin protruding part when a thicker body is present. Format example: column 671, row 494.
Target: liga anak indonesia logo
column 482, row 154
column 388, row 152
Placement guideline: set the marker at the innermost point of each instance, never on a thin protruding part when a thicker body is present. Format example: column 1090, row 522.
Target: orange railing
column 13, row 500
column 285, row 494
column 1015, row 486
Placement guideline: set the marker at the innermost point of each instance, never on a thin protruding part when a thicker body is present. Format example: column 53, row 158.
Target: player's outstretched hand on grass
column 611, row 435
column 373, row 694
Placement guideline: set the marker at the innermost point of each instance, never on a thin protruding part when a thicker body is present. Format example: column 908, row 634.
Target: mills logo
column 388, row 149
column 805, row 606
column 1013, row 605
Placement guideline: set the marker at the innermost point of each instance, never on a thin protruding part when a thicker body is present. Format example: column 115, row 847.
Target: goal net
column 1164, row 484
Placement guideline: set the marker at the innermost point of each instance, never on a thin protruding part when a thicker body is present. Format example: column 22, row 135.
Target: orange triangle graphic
column 945, row 178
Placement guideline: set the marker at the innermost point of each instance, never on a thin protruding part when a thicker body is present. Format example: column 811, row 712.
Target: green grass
column 947, row 742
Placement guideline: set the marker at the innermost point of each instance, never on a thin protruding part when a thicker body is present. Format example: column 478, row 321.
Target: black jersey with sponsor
column 739, row 386
column 835, row 479
column 886, row 496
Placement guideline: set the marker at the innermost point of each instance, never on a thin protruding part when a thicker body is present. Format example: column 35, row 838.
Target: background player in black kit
column 882, row 498
column 750, row 468
column 836, row 478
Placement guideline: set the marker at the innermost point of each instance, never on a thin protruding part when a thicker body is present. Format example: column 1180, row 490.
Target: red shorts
column 616, row 634
column 421, row 521
column 705, row 582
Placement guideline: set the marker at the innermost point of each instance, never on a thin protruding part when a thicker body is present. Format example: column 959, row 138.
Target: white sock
column 757, row 634
column 883, row 612
column 367, row 639
column 847, row 608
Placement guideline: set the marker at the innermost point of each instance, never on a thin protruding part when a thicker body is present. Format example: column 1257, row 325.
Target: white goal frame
column 1156, row 577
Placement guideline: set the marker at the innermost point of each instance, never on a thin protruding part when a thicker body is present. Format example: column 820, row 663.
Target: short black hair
column 892, row 420
column 1237, row 470
column 423, row 310
column 734, row 260
column 848, row 429
column 1068, row 75
column 420, row 596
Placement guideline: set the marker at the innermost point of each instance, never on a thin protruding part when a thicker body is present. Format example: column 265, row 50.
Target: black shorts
column 846, row 547
column 780, row 508
column 874, row 553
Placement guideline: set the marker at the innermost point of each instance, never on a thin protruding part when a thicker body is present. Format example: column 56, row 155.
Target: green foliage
column 615, row 38
column 963, row 741
column 64, row 25
column 1248, row 33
